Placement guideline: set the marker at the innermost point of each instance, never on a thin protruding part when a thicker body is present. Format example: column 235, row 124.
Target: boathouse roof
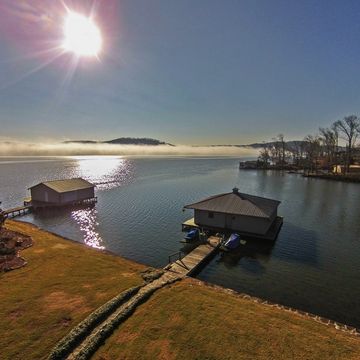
column 237, row 203
column 67, row 185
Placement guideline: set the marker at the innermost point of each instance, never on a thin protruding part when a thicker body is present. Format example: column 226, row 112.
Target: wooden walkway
column 196, row 258
column 21, row 210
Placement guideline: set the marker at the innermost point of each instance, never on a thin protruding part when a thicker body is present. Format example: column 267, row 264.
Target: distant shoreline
column 341, row 178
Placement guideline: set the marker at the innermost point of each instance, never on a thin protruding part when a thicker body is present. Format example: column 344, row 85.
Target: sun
column 81, row 35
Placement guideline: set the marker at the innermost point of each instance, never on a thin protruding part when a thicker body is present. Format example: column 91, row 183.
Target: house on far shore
column 62, row 192
column 248, row 215
column 340, row 169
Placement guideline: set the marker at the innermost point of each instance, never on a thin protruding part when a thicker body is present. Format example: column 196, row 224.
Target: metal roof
column 67, row 185
column 238, row 204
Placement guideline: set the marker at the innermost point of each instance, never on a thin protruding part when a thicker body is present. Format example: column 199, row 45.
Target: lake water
column 314, row 265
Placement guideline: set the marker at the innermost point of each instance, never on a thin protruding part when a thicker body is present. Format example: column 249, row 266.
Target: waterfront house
column 341, row 169
column 62, row 192
column 237, row 212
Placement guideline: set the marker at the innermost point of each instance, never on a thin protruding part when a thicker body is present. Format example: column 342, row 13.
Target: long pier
column 21, row 210
column 194, row 260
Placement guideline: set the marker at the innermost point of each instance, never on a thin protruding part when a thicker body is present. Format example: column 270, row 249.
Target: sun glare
column 81, row 35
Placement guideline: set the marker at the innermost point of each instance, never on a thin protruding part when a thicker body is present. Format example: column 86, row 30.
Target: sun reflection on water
column 104, row 171
column 86, row 218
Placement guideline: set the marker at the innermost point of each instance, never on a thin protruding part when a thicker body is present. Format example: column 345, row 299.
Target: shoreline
column 103, row 251
column 351, row 330
column 338, row 178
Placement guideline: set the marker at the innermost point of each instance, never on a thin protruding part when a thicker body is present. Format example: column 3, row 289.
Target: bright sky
column 186, row 72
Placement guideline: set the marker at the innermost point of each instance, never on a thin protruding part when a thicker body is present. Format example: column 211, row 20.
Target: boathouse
column 62, row 192
column 237, row 212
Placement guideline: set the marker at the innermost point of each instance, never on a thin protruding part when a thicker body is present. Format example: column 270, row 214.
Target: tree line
column 320, row 150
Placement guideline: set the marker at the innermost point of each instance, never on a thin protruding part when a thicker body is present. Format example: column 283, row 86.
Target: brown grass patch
column 176, row 319
column 60, row 246
column 64, row 322
column 163, row 348
column 59, row 300
column 126, row 337
column 39, row 251
column 128, row 274
column 100, row 295
column 15, row 314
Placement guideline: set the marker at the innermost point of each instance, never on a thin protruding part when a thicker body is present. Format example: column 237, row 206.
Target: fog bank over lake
column 60, row 149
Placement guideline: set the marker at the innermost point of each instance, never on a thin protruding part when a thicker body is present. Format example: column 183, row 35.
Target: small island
column 122, row 141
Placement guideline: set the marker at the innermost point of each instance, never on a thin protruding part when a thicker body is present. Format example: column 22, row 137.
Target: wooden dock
column 193, row 261
column 21, row 210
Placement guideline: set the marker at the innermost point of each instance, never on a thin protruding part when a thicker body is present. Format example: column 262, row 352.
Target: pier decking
column 21, row 210
column 195, row 259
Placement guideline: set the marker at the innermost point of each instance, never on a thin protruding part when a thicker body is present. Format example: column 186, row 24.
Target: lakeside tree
column 328, row 138
column 264, row 156
column 295, row 150
column 349, row 128
column 278, row 151
column 315, row 151
column 312, row 152
column 334, row 128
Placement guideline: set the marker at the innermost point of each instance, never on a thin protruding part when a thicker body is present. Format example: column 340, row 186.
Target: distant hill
column 81, row 142
column 260, row 145
column 288, row 143
column 122, row 141
column 136, row 141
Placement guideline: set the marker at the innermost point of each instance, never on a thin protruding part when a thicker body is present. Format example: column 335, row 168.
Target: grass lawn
column 61, row 284
column 194, row 321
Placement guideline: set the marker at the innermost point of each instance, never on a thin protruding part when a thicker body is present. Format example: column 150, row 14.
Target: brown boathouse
column 245, row 214
column 62, row 192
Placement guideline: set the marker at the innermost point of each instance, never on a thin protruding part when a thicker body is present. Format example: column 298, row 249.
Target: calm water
column 314, row 265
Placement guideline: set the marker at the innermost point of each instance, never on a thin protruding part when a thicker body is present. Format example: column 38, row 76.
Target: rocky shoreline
column 11, row 243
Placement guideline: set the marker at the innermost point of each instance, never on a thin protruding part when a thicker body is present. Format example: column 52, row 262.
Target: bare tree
column 349, row 128
column 278, row 151
column 312, row 150
column 282, row 148
column 329, row 142
column 335, row 130
column 264, row 157
column 295, row 151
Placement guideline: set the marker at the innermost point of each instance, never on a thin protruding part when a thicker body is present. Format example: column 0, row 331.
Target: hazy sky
column 186, row 72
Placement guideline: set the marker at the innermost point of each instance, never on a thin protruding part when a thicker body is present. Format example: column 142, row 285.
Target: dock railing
column 178, row 255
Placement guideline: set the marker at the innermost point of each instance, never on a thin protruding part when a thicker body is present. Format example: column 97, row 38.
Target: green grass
column 193, row 321
column 63, row 282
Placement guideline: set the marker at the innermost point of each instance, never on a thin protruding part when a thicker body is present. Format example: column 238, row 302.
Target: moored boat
column 231, row 243
column 191, row 236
